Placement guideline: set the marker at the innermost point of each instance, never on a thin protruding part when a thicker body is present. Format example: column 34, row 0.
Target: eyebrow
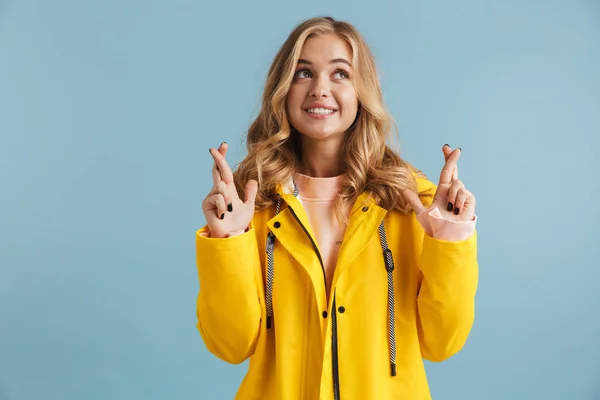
column 334, row 61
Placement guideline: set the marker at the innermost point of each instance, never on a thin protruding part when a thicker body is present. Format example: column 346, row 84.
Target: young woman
column 330, row 262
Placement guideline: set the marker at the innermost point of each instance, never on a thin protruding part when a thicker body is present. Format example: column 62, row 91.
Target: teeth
column 319, row 111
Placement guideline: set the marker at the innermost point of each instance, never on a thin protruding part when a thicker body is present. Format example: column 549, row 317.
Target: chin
column 320, row 134
column 319, row 131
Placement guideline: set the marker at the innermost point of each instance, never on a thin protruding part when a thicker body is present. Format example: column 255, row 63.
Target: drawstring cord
column 389, row 267
column 270, row 263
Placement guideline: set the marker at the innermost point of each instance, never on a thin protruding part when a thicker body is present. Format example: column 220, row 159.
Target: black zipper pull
column 270, row 241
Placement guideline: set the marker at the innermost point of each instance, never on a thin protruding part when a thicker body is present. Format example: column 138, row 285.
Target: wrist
column 229, row 234
column 238, row 232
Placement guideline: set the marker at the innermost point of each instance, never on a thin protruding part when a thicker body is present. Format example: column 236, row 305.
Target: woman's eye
column 302, row 74
column 340, row 74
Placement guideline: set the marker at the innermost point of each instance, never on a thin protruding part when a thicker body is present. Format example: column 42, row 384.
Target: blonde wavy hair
column 272, row 143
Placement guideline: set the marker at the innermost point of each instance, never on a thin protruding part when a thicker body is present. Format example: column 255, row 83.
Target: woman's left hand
column 452, row 199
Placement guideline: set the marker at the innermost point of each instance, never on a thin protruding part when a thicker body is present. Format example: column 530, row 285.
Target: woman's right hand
column 224, row 211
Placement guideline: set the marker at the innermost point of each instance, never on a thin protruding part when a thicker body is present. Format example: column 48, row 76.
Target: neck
column 322, row 158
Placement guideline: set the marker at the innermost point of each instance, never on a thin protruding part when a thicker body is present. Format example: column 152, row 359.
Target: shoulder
column 425, row 188
column 424, row 184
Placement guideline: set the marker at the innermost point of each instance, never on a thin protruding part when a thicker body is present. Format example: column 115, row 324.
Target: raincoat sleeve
column 228, row 307
column 446, row 297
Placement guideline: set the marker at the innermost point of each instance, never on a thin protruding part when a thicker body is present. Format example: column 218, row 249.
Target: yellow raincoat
column 335, row 345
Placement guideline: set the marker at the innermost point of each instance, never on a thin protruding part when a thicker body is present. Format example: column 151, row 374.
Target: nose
column 320, row 87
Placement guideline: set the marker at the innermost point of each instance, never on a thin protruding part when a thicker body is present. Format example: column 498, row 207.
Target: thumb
column 413, row 199
column 251, row 190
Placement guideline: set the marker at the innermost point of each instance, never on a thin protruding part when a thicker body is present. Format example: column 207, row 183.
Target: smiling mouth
column 319, row 111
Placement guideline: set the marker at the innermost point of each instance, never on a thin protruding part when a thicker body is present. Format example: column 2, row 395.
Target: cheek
column 293, row 100
column 293, row 104
column 348, row 101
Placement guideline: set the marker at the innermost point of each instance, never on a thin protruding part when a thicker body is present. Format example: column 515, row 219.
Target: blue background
column 107, row 110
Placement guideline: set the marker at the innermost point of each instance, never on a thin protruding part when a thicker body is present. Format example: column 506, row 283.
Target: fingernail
column 223, row 216
column 222, row 143
column 450, row 206
column 230, row 207
column 447, row 145
column 210, row 152
column 456, row 211
column 460, row 148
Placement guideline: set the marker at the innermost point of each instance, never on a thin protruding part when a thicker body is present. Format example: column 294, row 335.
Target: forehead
column 325, row 47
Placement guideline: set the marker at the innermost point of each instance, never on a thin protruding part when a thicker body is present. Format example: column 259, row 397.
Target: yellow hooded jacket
column 335, row 345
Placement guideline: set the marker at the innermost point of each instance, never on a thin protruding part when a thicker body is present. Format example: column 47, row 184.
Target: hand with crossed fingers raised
column 224, row 211
column 453, row 200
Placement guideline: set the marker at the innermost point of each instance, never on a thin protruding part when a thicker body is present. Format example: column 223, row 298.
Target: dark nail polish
column 446, row 145
column 223, row 216
column 450, row 206
column 460, row 148
column 222, row 143
column 456, row 211
column 210, row 152
column 230, row 207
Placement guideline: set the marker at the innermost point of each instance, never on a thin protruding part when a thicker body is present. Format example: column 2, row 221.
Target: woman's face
column 322, row 102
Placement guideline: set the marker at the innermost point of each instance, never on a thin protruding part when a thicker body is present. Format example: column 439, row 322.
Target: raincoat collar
column 286, row 191
column 363, row 222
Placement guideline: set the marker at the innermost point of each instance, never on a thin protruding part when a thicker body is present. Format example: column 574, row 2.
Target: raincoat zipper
column 334, row 353
column 334, row 347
